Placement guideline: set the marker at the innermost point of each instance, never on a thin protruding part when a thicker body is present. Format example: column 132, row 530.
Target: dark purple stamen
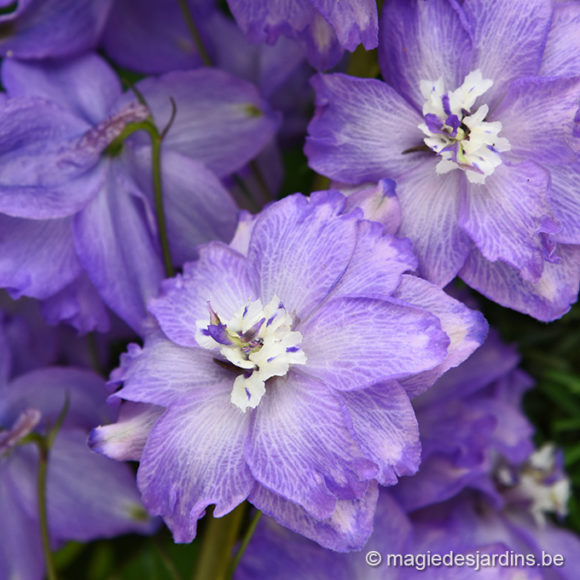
column 292, row 349
column 445, row 103
column 219, row 333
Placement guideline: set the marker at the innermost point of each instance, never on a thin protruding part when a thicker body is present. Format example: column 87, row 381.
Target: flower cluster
column 311, row 354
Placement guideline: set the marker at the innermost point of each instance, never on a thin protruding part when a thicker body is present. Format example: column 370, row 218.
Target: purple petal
column 117, row 248
column 125, row 439
column 348, row 528
column 37, row 257
column 508, row 39
column 301, row 446
column 197, row 206
column 44, row 174
column 162, row 372
column 533, row 104
column 194, row 457
column 547, row 299
column 430, row 205
column 354, row 22
column 79, row 305
column 87, row 86
column 565, row 201
column 504, row 216
column 21, row 548
column 218, row 276
column 352, row 343
column 465, row 328
column 299, row 249
column 385, row 425
column 54, row 28
column 211, row 104
column 563, row 44
column 376, row 265
column 90, row 496
column 379, row 203
column 423, row 41
column 360, row 130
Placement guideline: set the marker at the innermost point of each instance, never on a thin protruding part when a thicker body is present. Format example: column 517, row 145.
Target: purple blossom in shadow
column 324, row 27
column 306, row 405
column 37, row 29
column 477, row 123
column 77, row 222
column 87, row 495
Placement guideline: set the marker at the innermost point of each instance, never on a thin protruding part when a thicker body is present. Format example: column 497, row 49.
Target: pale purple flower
column 476, row 123
column 285, row 364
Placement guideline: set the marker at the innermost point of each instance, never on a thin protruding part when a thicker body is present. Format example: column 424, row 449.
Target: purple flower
column 477, row 124
column 77, row 219
column 324, row 26
column 36, row 29
column 88, row 496
column 285, row 363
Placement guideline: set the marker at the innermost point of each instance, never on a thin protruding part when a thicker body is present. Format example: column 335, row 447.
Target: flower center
column 462, row 138
column 540, row 484
column 259, row 340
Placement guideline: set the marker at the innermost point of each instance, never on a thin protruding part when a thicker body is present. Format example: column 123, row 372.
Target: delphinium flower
column 87, row 496
column 283, row 365
column 35, row 29
column 476, row 124
column 325, row 28
column 481, row 487
column 77, row 203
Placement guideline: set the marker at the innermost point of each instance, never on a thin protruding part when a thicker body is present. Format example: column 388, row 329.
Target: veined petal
column 347, row 528
column 360, row 129
column 465, row 328
column 505, row 216
column 162, row 371
column 547, row 299
column 37, row 257
column 538, row 117
column 300, row 248
column 423, row 41
column 561, row 55
column 301, row 446
column 430, row 205
column 200, row 442
column 218, row 276
column 352, row 343
column 385, row 425
column 565, row 201
column 508, row 39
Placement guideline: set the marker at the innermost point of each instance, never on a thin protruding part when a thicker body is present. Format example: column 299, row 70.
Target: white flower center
column 459, row 136
column 540, row 483
column 259, row 340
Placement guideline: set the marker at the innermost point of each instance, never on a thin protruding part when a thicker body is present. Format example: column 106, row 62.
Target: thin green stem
column 194, row 32
column 219, row 538
column 159, row 209
column 42, row 468
column 245, row 542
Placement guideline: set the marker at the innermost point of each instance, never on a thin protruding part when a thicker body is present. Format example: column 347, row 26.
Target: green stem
column 42, row 468
column 194, row 32
column 159, row 209
column 245, row 541
column 219, row 538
